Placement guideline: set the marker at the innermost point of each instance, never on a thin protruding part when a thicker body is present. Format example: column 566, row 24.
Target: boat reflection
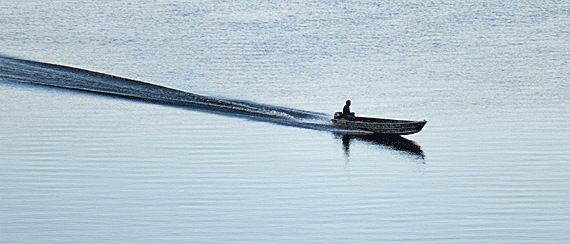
column 395, row 142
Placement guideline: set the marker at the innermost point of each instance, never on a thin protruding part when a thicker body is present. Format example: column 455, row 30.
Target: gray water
column 490, row 77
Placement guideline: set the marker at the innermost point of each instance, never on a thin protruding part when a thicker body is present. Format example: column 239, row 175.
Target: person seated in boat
column 346, row 111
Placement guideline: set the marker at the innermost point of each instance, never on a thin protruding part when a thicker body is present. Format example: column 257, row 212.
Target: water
column 491, row 79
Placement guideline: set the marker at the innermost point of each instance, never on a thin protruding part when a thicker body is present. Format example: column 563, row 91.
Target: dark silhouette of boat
column 378, row 125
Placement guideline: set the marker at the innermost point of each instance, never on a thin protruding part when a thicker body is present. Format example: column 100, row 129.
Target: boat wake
column 58, row 76
column 52, row 75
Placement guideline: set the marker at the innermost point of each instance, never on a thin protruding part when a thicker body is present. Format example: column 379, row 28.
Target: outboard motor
column 338, row 115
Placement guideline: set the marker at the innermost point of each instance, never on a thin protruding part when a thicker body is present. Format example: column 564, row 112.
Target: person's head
column 347, row 102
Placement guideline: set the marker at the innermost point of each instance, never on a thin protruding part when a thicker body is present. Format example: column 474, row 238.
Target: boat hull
column 381, row 126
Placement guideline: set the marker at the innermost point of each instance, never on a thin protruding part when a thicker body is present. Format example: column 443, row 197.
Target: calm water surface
column 491, row 165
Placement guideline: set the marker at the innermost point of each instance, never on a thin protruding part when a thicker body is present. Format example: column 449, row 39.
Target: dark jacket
column 346, row 110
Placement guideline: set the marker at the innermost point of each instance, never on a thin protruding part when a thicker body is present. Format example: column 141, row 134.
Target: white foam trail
column 51, row 75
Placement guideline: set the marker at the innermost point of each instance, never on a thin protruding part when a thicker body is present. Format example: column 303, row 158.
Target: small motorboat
column 378, row 125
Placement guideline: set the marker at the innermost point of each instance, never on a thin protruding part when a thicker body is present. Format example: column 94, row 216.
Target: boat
column 378, row 125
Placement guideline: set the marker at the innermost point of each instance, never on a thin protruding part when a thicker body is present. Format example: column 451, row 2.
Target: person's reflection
column 393, row 142
column 346, row 145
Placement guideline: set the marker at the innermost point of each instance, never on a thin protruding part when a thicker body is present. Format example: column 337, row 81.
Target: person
column 346, row 111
